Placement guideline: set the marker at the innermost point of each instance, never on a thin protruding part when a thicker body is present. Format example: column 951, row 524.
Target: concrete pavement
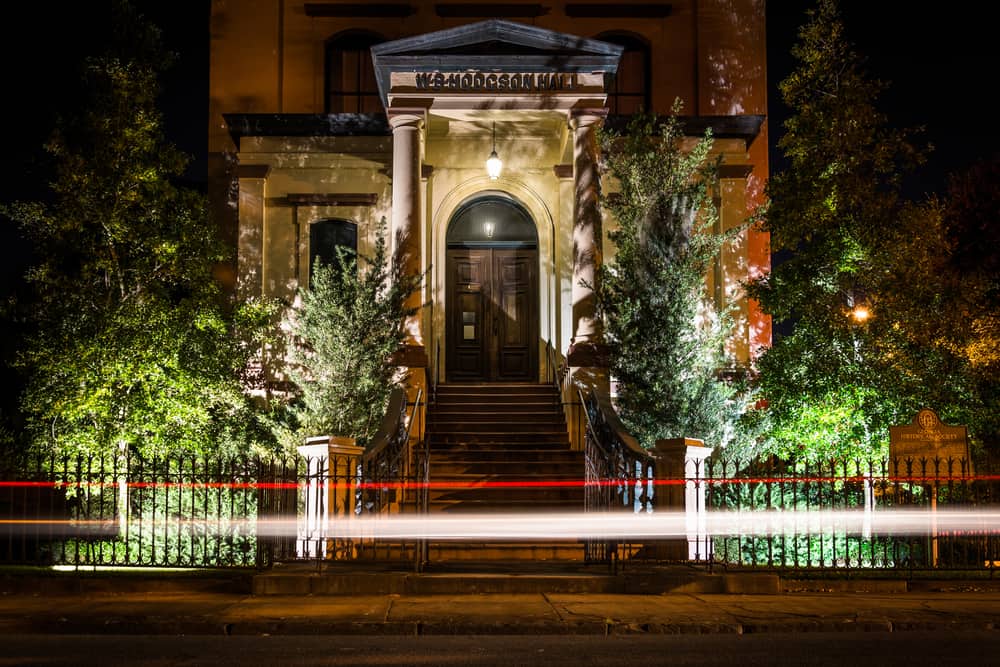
column 207, row 605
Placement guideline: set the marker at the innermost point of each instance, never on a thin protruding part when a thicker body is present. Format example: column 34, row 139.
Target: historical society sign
column 929, row 448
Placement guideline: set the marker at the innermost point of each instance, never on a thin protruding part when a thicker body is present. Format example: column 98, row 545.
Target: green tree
column 132, row 348
column 665, row 334
column 344, row 330
column 866, row 286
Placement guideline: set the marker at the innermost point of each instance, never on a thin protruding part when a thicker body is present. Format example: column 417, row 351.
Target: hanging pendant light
column 493, row 163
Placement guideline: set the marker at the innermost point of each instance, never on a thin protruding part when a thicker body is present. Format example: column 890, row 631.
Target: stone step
column 479, row 505
column 443, row 552
column 495, row 388
column 473, row 419
column 488, row 454
column 501, row 407
column 501, row 569
column 453, row 426
column 448, row 469
column 496, row 439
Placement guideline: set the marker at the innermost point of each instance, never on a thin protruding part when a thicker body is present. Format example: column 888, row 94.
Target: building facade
column 328, row 117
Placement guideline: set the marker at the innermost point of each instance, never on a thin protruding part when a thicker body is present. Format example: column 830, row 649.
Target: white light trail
column 558, row 526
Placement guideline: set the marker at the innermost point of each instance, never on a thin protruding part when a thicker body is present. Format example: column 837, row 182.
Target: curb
column 177, row 627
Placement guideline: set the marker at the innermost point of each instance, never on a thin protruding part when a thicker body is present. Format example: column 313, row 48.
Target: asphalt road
column 853, row 649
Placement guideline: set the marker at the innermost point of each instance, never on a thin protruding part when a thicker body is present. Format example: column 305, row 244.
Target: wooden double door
column 492, row 314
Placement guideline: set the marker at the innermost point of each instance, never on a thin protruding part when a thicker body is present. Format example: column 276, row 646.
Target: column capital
column 406, row 117
column 586, row 116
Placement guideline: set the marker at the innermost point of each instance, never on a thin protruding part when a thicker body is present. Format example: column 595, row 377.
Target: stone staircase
column 501, row 444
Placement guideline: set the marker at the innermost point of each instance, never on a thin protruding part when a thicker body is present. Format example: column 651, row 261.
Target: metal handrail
column 436, row 379
column 394, row 413
column 553, row 369
column 618, row 472
column 600, row 404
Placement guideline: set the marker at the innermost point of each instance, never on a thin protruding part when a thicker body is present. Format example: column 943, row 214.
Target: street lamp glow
column 861, row 314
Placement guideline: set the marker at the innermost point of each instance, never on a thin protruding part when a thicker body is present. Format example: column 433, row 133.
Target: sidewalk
column 204, row 606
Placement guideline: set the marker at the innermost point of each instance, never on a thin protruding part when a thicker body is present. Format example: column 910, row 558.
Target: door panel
column 468, row 305
column 515, row 291
column 492, row 314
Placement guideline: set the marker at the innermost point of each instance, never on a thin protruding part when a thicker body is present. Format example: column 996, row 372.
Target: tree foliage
column 345, row 328
column 837, row 381
column 132, row 347
column 666, row 337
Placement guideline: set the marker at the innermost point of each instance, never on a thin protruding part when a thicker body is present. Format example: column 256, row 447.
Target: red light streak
column 506, row 484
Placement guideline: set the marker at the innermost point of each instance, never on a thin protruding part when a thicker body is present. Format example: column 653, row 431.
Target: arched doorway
column 491, row 304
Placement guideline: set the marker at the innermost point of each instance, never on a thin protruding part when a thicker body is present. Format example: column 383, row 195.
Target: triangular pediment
column 491, row 46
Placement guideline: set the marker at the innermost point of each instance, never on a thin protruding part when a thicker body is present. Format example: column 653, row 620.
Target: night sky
column 940, row 64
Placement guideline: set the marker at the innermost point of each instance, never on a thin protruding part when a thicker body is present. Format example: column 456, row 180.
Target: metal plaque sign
column 928, row 447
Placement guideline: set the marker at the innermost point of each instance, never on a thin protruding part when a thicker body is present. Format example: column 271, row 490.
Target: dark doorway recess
column 491, row 307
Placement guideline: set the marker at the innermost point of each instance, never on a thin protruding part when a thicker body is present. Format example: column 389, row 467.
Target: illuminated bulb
column 493, row 166
column 493, row 162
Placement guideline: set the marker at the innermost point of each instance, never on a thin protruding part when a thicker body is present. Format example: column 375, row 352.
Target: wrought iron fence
column 186, row 512
column 212, row 512
column 829, row 491
column 197, row 512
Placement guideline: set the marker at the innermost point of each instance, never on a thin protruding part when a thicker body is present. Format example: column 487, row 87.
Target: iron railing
column 618, row 472
column 242, row 512
column 852, row 488
column 387, row 478
column 127, row 511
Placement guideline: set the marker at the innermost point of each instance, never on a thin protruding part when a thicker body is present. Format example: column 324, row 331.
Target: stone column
column 680, row 476
column 586, row 348
column 250, row 240
column 406, row 127
column 330, row 494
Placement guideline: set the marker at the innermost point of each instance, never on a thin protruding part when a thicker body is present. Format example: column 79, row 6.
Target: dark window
column 350, row 76
column 325, row 237
column 629, row 89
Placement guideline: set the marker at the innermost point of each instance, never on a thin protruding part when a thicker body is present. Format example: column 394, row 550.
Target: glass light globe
column 493, row 166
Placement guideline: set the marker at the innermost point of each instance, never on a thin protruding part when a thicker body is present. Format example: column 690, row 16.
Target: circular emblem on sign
column 927, row 420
